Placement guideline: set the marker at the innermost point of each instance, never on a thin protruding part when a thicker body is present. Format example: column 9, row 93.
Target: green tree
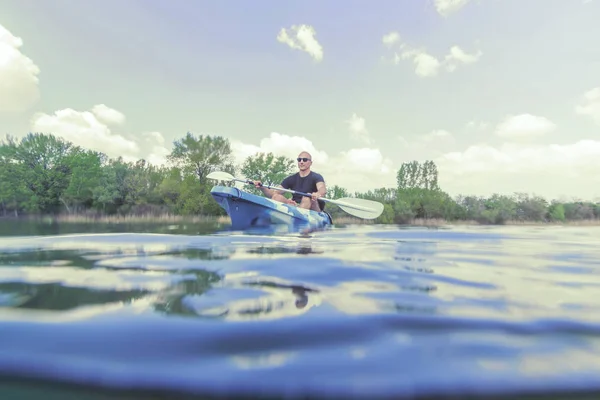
column 266, row 168
column 387, row 216
column 336, row 192
column 201, row 155
column 556, row 212
column 579, row 210
column 532, row 208
column 499, row 209
column 403, row 211
column 169, row 188
column 416, row 175
column 15, row 196
column 471, row 207
column 46, row 170
column 86, row 173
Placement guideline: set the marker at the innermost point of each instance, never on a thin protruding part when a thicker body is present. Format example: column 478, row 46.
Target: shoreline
column 166, row 218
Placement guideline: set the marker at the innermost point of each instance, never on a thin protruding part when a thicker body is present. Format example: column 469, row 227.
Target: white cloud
column 550, row 170
column 459, row 56
column 357, row 169
column 88, row 130
column 478, row 125
column 302, row 38
column 108, row 115
column 390, row 38
column 18, row 75
column 590, row 106
column 280, row 145
column 427, row 65
column 157, row 154
column 425, row 146
column 84, row 129
column 524, row 126
column 358, row 129
column 437, row 135
column 447, row 7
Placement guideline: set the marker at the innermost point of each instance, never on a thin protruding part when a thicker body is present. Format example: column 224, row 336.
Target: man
column 304, row 180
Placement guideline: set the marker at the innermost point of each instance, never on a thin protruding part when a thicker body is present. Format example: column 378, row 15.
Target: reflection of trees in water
column 44, row 258
column 187, row 295
column 300, row 292
column 277, row 300
column 303, row 248
column 54, row 296
column 222, row 253
column 60, row 296
column 193, row 282
column 170, row 300
column 409, row 260
column 406, row 262
column 226, row 252
column 411, row 308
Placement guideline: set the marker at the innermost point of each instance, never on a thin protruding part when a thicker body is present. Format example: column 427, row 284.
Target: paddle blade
column 361, row 208
column 220, row 176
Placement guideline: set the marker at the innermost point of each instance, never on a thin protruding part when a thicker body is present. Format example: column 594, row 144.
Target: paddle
column 361, row 208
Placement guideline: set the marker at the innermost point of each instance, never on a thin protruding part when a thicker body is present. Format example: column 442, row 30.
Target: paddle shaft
column 368, row 209
column 340, row 203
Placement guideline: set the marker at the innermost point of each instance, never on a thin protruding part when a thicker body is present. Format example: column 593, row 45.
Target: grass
column 120, row 219
column 338, row 220
column 441, row 221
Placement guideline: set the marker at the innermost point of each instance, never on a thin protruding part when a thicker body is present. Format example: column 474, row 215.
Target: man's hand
column 257, row 184
column 315, row 196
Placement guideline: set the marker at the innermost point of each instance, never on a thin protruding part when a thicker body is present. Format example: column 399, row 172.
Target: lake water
column 361, row 311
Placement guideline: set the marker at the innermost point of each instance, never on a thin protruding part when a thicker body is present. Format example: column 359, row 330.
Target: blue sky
column 505, row 111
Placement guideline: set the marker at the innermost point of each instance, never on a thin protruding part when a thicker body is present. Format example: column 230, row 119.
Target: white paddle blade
column 220, row 176
column 361, row 208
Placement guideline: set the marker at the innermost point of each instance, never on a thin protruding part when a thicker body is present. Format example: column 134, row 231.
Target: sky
column 503, row 95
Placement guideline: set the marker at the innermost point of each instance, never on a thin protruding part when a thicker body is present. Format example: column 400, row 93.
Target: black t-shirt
column 307, row 184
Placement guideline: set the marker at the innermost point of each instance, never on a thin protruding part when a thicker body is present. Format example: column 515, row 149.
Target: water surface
column 354, row 311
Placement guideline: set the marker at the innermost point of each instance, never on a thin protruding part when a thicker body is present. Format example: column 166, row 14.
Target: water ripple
column 360, row 311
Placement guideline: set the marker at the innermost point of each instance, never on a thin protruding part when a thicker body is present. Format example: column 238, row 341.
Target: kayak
column 247, row 210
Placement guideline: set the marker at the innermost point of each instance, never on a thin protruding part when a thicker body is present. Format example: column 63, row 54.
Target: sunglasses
column 303, row 159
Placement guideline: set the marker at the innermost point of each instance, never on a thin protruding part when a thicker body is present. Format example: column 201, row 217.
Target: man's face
column 304, row 161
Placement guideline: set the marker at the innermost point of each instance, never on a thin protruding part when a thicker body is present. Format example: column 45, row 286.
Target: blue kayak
column 248, row 210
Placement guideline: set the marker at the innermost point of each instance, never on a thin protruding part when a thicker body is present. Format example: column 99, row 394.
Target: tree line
column 42, row 174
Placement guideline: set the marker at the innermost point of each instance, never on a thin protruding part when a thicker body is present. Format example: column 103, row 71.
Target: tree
column 499, row 209
column 201, row 155
column 416, row 175
column 267, row 168
column 14, row 193
column 532, row 208
column 337, row 192
column 85, row 166
column 556, row 212
column 169, row 187
column 46, row 170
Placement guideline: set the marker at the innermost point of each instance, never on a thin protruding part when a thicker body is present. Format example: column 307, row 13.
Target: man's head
column 304, row 161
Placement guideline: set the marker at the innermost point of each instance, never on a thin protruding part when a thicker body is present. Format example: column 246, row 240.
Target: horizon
column 502, row 98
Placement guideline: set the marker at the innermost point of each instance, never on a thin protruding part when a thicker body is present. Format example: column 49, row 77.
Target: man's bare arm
column 266, row 191
column 321, row 189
